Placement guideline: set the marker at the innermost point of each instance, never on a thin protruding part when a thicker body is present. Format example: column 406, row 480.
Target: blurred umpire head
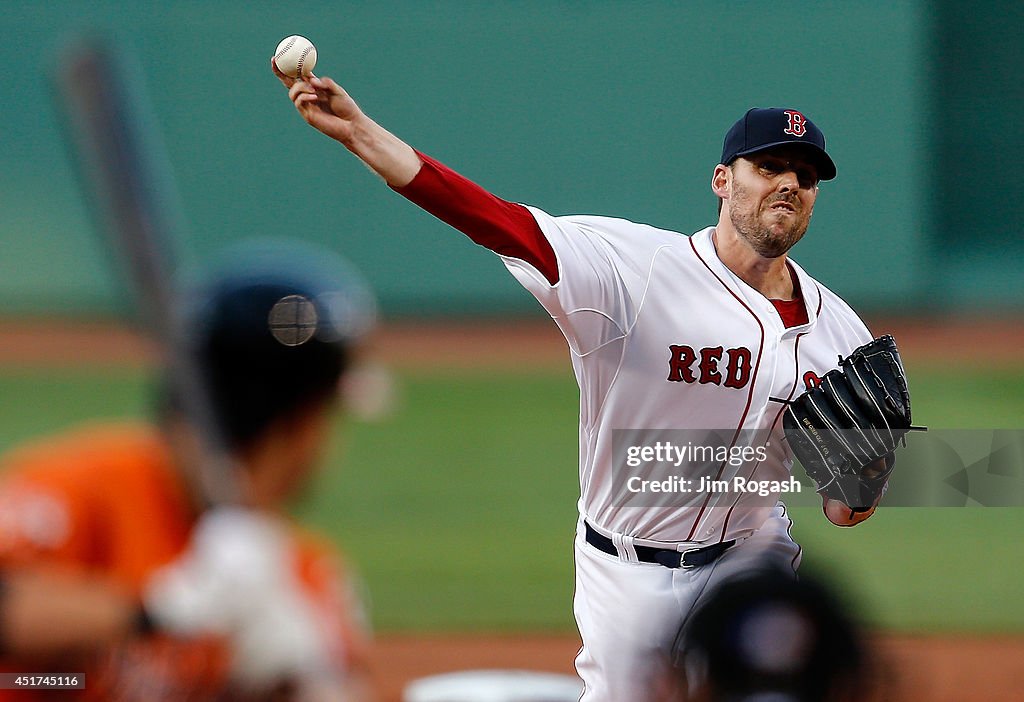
column 765, row 636
column 272, row 328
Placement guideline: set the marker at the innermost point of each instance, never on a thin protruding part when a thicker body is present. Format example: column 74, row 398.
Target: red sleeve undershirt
column 501, row 226
column 507, row 228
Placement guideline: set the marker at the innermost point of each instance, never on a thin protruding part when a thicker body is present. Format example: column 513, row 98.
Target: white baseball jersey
column 664, row 336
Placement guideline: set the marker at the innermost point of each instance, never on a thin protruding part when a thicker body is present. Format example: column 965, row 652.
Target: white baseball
column 295, row 56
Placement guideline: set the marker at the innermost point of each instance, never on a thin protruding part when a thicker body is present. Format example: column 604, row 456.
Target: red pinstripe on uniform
column 750, row 391
column 790, row 320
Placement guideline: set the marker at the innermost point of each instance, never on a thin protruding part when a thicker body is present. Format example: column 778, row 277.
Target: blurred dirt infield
column 934, row 668
column 922, row 668
column 496, row 343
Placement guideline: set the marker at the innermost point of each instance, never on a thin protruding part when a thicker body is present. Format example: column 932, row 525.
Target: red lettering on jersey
column 737, row 365
column 797, row 124
column 811, row 380
column 737, row 369
column 709, row 358
column 679, row 362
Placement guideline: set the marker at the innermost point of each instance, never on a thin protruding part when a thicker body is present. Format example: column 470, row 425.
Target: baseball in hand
column 295, row 56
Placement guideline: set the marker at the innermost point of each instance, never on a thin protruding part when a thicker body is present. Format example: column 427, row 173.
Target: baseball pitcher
column 719, row 332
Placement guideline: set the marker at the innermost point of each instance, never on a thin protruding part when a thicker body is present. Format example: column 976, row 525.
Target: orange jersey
column 107, row 501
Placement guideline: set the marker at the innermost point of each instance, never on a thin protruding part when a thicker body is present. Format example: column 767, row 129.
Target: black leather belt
column 693, row 558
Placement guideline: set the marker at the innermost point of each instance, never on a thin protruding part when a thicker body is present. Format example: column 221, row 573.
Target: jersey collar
column 705, row 248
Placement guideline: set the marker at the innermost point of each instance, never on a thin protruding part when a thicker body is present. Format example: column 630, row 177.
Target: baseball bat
column 124, row 169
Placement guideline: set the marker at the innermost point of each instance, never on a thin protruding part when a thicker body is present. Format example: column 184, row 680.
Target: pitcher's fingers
column 306, row 99
column 300, row 87
column 287, row 80
column 327, row 84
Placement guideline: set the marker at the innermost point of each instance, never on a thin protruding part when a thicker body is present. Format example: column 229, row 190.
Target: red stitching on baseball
column 287, row 46
column 302, row 59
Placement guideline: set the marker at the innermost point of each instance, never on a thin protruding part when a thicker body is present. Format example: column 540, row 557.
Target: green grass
column 971, row 398
column 459, row 508
column 924, row 570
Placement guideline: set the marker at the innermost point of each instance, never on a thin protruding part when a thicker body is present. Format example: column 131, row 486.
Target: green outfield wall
column 612, row 108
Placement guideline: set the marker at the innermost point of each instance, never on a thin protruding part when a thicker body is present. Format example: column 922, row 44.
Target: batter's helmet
column 272, row 328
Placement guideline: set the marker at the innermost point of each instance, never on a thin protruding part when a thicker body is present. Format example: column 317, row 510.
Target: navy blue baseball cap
column 765, row 127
